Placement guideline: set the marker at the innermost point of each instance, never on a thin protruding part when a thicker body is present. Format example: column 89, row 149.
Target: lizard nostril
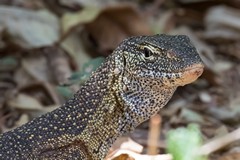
column 171, row 54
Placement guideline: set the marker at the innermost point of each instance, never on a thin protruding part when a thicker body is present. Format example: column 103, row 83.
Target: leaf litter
column 48, row 49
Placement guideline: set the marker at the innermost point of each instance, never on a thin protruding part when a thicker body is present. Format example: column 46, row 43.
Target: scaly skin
column 130, row 86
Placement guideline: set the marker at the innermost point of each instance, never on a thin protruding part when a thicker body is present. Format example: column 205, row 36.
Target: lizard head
column 173, row 60
column 152, row 68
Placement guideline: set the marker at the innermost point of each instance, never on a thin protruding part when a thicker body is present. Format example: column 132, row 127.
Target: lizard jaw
column 190, row 74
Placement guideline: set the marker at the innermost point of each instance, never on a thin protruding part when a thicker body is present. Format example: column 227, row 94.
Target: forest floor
column 43, row 43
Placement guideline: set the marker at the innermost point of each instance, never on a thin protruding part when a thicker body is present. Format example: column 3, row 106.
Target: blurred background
column 48, row 48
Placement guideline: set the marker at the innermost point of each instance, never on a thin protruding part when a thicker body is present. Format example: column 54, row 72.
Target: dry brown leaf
column 25, row 102
column 125, row 143
column 22, row 120
column 22, row 78
column 75, row 48
column 222, row 65
column 105, row 28
column 230, row 156
column 58, row 64
column 205, row 97
column 85, row 3
column 123, row 157
column 222, row 23
column 114, row 24
column 37, row 67
column 126, row 154
column 71, row 20
column 232, row 49
column 164, row 23
column 30, row 28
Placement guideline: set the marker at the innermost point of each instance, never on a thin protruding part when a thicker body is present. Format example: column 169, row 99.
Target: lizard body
column 133, row 83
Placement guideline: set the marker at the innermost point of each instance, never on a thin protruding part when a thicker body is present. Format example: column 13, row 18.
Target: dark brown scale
column 126, row 90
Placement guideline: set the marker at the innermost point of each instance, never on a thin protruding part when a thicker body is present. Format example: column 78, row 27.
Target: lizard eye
column 147, row 52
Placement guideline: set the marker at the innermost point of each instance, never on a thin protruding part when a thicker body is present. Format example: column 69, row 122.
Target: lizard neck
column 108, row 120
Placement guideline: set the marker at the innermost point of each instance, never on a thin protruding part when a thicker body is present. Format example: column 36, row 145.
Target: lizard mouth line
column 194, row 67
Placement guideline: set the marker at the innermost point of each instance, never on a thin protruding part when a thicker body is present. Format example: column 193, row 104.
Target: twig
column 219, row 143
column 153, row 136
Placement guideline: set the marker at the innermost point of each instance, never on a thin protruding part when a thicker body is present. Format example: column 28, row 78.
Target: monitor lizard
column 133, row 83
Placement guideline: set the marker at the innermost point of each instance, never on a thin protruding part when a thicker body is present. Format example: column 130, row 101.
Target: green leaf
column 183, row 143
column 8, row 61
column 64, row 91
column 85, row 73
column 28, row 28
column 78, row 78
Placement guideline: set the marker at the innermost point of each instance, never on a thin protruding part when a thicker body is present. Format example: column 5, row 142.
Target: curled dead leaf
column 104, row 28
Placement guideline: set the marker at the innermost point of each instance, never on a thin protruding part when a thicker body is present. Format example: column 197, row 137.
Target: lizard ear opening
column 119, row 62
column 124, row 61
